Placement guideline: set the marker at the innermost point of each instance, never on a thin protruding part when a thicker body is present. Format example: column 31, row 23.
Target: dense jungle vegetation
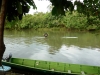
column 72, row 21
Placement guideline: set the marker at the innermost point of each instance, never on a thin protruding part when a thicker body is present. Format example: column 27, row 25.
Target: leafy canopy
column 89, row 7
column 60, row 6
column 18, row 8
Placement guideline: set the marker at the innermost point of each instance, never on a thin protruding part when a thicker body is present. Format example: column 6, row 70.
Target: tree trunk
column 2, row 22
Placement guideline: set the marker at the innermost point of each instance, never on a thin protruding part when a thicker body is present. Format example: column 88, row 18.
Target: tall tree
column 88, row 7
column 2, row 20
column 60, row 6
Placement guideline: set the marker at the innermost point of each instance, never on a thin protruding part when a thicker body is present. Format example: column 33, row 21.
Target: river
column 61, row 46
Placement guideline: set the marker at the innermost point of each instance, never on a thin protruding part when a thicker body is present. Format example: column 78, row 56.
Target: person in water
column 45, row 34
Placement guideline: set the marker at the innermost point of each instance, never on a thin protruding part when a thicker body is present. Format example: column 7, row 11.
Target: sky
column 42, row 6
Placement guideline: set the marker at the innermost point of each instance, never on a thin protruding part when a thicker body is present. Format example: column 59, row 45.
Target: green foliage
column 17, row 8
column 70, row 21
column 10, row 25
column 74, row 21
column 60, row 6
column 89, row 7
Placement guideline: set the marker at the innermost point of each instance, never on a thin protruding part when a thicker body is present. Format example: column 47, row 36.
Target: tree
column 60, row 6
column 89, row 7
column 2, row 20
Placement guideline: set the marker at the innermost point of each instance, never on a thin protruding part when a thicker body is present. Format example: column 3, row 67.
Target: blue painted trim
column 5, row 68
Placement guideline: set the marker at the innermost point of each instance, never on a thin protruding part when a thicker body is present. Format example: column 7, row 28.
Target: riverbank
column 73, row 21
column 57, row 29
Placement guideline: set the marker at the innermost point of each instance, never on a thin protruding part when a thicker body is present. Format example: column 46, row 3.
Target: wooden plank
column 66, row 67
column 17, row 61
column 75, row 68
column 89, row 69
column 98, row 70
column 29, row 63
column 57, row 66
column 42, row 64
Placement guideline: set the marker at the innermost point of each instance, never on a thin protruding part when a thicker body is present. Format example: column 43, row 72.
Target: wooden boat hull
column 51, row 67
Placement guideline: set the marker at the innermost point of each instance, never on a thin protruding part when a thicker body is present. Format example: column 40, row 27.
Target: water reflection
column 69, row 37
column 71, row 47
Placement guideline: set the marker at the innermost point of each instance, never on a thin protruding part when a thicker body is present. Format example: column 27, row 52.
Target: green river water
column 61, row 46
